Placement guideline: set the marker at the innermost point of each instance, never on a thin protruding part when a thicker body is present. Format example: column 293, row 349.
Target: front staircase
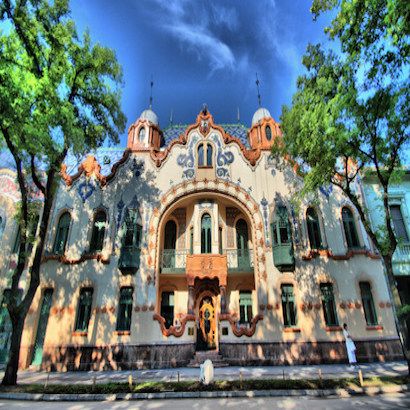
column 213, row 355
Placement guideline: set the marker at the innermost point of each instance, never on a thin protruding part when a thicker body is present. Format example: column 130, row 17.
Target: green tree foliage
column 58, row 92
column 351, row 110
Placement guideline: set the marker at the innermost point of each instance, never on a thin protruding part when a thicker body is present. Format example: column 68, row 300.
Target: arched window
column 63, row 226
column 98, row 233
column 241, row 234
column 201, row 155
column 170, row 240
column 141, row 135
column 206, row 236
column 268, row 133
column 313, row 227
column 209, row 155
column 281, row 233
column 349, row 228
column 170, row 237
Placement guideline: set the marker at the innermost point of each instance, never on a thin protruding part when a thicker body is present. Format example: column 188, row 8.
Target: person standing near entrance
column 350, row 346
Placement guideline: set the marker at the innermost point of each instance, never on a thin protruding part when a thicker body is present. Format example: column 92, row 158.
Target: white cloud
column 197, row 34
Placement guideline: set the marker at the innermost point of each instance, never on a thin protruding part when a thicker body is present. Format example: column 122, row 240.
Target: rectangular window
column 167, row 308
column 245, row 307
column 328, row 304
column 368, row 304
column 125, row 309
column 288, row 306
column 84, row 309
column 398, row 223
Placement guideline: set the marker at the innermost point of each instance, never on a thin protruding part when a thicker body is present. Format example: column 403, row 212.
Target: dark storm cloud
column 203, row 51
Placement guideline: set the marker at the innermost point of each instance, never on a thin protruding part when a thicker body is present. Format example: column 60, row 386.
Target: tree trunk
column 10, row 375
column 397, row 303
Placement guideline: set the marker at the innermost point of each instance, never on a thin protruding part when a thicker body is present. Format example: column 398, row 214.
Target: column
column 222, row 290
column 190, row 300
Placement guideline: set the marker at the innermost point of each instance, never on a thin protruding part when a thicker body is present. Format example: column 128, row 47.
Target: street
column 395, row 401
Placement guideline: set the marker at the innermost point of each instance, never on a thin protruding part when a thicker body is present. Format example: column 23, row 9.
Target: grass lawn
column 187, row 386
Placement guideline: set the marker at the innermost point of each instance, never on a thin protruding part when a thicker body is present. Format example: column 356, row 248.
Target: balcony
column 239, row 260
column 283, row 257
column 129, row 259
column 401, row 260
column 173, row 261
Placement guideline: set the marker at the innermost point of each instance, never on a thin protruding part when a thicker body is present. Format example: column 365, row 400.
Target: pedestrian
column 350, row 347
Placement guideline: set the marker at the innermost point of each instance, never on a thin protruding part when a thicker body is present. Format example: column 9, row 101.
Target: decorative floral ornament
column 85, row 190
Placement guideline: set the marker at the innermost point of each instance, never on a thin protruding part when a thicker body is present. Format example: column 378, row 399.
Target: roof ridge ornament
column 257, row 86
column 150, row 98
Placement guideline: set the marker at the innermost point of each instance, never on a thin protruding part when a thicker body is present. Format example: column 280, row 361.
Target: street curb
column 366, row 391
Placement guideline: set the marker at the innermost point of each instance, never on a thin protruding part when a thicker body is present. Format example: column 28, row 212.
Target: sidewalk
column 224, row 373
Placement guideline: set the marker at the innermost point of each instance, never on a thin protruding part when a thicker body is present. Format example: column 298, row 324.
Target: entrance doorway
column 206, row 331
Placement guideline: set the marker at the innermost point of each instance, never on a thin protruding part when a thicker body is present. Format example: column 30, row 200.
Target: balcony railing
column 283, row 257
column 239, row 260
column 129, row 259
column 401, row 260
column 173, row 261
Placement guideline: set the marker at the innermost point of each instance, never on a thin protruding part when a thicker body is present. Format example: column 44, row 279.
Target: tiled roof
column 239, row 131
column 172, row 132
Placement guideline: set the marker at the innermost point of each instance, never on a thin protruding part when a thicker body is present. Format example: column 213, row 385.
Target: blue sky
column 203, row 51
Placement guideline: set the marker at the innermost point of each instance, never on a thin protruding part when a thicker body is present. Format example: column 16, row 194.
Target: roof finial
column 150, row 98
column 171, row 117
column 257, row 86
column 239, row 116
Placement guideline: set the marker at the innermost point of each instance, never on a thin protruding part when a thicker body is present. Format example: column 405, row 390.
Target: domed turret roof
column 259, row 115
column 150, row 116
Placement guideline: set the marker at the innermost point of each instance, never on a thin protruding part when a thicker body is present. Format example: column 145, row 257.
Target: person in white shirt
column 350, row 346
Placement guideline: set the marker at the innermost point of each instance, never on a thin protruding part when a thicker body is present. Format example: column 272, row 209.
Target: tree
column 351, row 112
column 58, row 92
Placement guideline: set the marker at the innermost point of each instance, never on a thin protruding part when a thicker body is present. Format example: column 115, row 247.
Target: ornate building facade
column 188, row 241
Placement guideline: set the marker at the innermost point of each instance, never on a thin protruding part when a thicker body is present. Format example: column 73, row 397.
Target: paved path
column 224, row 373
column 395, row 401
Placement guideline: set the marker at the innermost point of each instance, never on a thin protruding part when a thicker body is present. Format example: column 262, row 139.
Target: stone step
column 214, row 356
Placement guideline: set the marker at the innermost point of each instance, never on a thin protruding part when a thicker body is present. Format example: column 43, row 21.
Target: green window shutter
column 398, row 223
column 245, row 307
column 84, row 309
column 313, row 226
column 98, row 232
column 125, row 309
column 349, row 227
column 206, row 235
column 328, row 304
column 288, row 306
column 368, row 304
column 63, row 226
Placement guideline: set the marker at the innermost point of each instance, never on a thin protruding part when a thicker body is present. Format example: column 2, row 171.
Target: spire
column 257, row 86
column 171, row 117
column 239, row 116
column 150, row 98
